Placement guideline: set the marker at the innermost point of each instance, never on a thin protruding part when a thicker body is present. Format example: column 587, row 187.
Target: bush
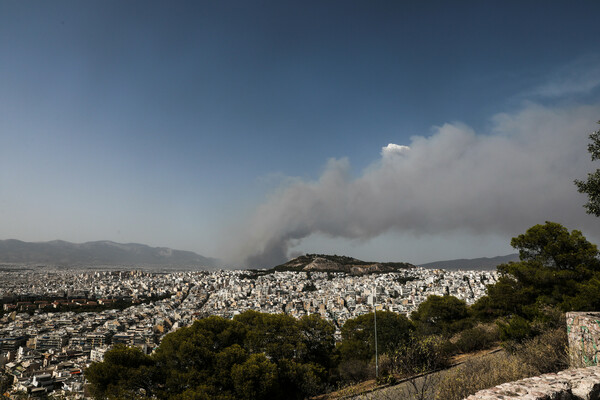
column 386, row 364
column 421, row 354
column 515, row 329
column 480, row 337
column 387, row 379
column 545, row 353
column 355, row 370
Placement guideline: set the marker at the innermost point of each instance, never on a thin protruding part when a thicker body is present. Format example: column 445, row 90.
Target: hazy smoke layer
column 518, row 175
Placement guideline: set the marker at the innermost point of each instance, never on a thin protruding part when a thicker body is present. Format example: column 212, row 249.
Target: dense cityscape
column 54, row 324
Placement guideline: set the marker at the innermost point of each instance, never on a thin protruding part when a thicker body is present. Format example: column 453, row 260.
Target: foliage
column 125, row 372
column 479, row 337
column 421, row 354
column 591, row 186
column 556, row 268
column 419, row 358
column 545, row 353
column 552, row 246
column 443, row 315
column 256, row 378
column 540, row 319
column 318, row 341
column 403, row 279
column 353, row 370
column 505, row 297
column 515, row 328
column 253, row 356
column 586, row 298
column 358, row 338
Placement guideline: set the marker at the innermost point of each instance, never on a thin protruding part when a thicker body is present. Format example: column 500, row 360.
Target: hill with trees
column 335, row 263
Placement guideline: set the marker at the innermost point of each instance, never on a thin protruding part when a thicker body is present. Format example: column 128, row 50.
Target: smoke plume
column 518, row 174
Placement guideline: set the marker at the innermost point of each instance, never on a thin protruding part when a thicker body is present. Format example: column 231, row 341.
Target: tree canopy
column 253, row 356
column 358, row 334
column 441, row 315
column 556, row 268
column 591, row 186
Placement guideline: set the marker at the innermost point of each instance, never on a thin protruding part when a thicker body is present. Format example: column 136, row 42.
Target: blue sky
column 203, row 125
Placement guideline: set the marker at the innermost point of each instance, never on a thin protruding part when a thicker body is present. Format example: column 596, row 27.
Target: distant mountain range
column 61, row 253
column 107, row 253
column 483, row 263
column 335, row 263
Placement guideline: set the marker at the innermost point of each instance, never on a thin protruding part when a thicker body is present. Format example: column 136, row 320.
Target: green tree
column 556, row 268
column 587, row 298
column 421, row 354
column 318, row 341
column 553, row 263
column 552, row 246
column 505, row 297
column 441, row 315
column 126, row 372
column 591, row 186
column 302, row 350
column 252, row 356
column 255, row 379
column 358, row 335
column 189, row 356
column 225, row 360
column 276, row 335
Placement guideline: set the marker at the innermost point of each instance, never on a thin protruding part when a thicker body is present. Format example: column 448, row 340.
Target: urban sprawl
column 54, row 324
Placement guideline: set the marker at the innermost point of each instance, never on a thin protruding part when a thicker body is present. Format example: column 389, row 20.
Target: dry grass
column 542, row 354
column 477, row 374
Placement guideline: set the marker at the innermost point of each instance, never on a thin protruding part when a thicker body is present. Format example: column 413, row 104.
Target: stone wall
column 571, row 384
column 583, row 329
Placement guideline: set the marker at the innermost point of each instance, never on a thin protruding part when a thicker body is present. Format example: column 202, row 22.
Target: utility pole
column 375, row 320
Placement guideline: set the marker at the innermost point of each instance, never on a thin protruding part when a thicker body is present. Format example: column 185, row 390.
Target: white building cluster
column 46, row 351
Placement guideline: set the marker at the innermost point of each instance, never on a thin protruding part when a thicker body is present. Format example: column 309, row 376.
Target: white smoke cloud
column 392, row 150
column 519, row 174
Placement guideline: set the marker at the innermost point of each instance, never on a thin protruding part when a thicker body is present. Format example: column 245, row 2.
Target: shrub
column 386, row 364
column 480, row 337
column 515, row 329
column 421, row 354
column 545, row 353
column 355, row 370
